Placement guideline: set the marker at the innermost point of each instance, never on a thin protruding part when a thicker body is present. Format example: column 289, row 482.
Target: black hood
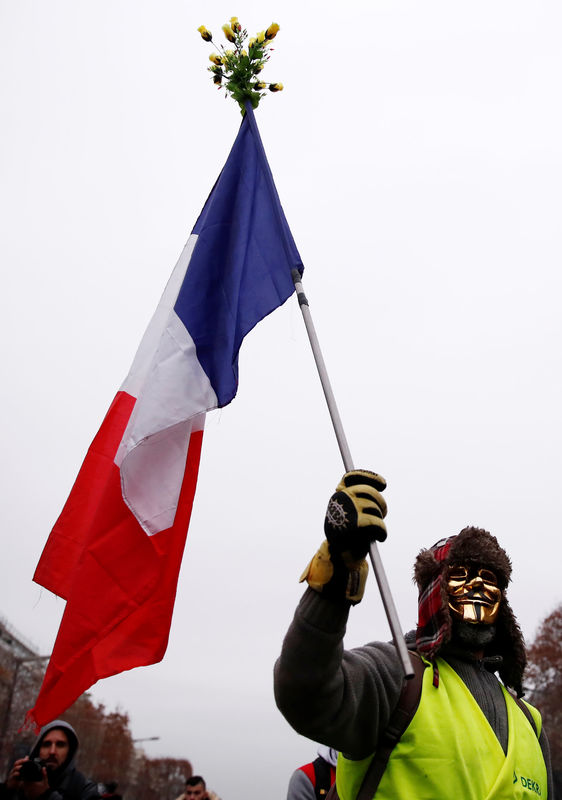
column 56, row 775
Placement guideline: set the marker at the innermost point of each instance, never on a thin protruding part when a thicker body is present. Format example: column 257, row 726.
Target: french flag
column 115, row 552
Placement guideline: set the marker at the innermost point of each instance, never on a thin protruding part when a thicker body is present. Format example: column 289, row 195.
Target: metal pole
column 384, row 588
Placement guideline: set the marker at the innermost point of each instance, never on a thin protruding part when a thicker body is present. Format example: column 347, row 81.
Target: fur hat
column 472, row 546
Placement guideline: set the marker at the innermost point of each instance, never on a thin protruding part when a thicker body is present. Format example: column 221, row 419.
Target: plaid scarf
column 434, row 621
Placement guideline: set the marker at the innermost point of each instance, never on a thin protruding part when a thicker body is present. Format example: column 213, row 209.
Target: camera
column 32, row 770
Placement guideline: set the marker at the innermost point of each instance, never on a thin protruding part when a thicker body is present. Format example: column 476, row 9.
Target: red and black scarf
column 434, row 621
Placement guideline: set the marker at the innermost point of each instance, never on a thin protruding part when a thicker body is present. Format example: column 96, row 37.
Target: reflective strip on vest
column 450, row 752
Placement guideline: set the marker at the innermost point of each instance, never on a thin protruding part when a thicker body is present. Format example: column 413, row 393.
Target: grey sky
column 417, row 150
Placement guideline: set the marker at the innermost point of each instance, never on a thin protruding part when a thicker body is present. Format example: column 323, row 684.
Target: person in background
column 49, row 772
column 313, row 781
column 195, row 789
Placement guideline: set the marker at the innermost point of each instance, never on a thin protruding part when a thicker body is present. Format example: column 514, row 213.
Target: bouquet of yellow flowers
column 237, row 70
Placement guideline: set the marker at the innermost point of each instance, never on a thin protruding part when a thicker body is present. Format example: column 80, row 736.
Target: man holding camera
column 49, row 772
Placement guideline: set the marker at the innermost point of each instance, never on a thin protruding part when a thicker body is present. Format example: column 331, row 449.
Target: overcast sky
column 417, row 151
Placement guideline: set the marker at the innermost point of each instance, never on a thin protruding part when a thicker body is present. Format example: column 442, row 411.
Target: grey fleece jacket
column 344, row 698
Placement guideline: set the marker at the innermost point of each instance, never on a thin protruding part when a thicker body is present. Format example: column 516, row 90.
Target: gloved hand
column 354, row 519
column 355, row 514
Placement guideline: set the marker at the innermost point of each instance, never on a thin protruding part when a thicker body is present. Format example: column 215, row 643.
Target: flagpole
column 384, row 588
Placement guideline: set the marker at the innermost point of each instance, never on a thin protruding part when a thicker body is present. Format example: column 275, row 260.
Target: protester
column 49, row 771
column 313, row 781
column 195, row 789
column 468, row 737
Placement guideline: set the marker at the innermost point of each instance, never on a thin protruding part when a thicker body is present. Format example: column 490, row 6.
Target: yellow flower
column 271, row 32
column 228, row 32
column 238, row 69
column 207, row 35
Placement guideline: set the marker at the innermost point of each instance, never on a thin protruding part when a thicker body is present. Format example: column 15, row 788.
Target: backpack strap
column 323, row 775
column 333, row 793
column 400, row 718
column 527, row 713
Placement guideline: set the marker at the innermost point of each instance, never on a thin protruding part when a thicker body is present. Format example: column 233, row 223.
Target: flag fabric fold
column 115, row 552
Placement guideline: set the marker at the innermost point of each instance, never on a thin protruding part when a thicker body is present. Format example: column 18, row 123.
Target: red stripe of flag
column 119, row 582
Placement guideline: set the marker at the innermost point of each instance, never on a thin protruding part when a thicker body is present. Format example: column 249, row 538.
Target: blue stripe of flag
column 240, row 269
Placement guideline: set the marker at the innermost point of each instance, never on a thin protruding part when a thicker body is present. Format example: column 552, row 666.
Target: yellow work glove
column 355, row 514
column 354, row 518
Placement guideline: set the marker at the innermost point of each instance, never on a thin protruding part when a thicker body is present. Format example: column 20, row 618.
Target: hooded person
column 49, row 772
column 468, row 735
column 313, row 781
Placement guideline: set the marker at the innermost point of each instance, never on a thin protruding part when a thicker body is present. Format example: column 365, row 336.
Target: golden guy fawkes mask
column 474, row 594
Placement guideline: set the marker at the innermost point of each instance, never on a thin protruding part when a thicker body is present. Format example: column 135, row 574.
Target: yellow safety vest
column 450, row 752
